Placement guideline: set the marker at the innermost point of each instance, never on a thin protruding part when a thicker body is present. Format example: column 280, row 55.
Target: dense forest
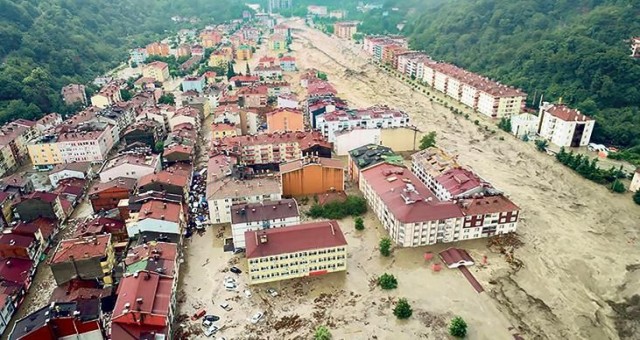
column 46, row 44
column 574, row 50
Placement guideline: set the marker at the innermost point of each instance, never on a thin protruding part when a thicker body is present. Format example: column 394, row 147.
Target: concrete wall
column 401, row 139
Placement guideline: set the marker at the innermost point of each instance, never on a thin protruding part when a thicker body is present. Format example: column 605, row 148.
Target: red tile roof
column 288, row 58
column 164, row 177
column 222, row 127
column 244, row 79
column 78, row 290
column 16, row 240
column 457, row 181
column 256, row 89
column 405, row 196
column 321, row 88
column 161, row 211
column 177, row 148
column 46, row 226
column 358, row 114
column 302, row 237
column 487, row 205
column 158, row 64
column 454, row 257
column 72, row 186
column 280, row 110
column 151, row 289
column 43, row 196
column 78, row 248
column 99, row 225
column 120, row 182
column 305, row 139
column 15, row 269
column 567, row 114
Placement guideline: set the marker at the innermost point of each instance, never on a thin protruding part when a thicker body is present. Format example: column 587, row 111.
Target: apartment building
column 193, row 83
column 74, row 93
column 129, row 166
column 377, row 117
column 138, row 55
column 259, row 216
column 244, row 52
column 283, row 120
column 367, row 156
column 157, row 216
column 157, row 70
column 268, row 72
column 223, row 192
column 345, row 29
column 414, row 216
column 158, row 48
column 564, row 126
column 14, row 137
column 320, row 11
column 310, row 249
column 86, row 258
column 86, row 142
column 108, row 95
column 312, row 175
column 274, row 148
column 279, row 5
column 253, row 96
column 278, row 43
column 288, row 63
column 373, row 44
column 430, row 163
column 210, row 38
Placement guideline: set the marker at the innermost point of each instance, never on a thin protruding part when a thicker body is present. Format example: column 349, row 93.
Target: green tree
column 167, row 98
column 385, row 246
column 387, row 281
column 541, row 145
column 322, row 76
column 359, row 223
column 230, row 71
column 636, row 197
column 322, row 333
column 248, row 71
column 618, row 187
column 428, row 140
column 403, row 309
column 458, row 327
column 126, row 95
column 505, row 124
column 159, row 147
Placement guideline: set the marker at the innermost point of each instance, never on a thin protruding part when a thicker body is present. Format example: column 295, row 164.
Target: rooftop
column 371, row 154
column 120, row 182
column 487, row 205
column 284, row 110
column 77, row 289
column 154, row 256
column 158, row 64
column 84, row 310
column 232, row 188
column 368, row 113
column 159, row 210
column 307, row 161
column 567, row 114
column 16, row 240
column 302, row 237
column 265, row 211
column 164, row 177
column 75, row 166
column 46, row 226
column 457, row 181
column 305, row 139
column 79, row 248
column 152, row 236
column 98, row 225
column 321, row 88
column 144, row 293
column 15, row 269
column 405, row 196
column 434, row 161
column 149, row 161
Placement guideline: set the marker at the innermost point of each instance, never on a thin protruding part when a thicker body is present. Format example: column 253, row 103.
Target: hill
column 574, row 50
column 49, row 43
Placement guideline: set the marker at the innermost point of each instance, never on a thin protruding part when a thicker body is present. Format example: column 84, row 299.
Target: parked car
column 226, row 306
column 198, row 314
column 230, row 285
column 272, row 292
column 247, row 293
column 256, row 317
column 238, row 251
column 235, row 270
column 597, row 147
column 210, row 330
column 211, row 318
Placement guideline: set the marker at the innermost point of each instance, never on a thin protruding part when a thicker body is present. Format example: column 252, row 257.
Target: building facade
column 157, row 70
column 564, row 126
column 312, row 175
column 370, row 118
column 311, row 249
column 283, row 120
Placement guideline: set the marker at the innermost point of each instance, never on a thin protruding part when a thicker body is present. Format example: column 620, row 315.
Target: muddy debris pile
column 506, row 244
column 290, row 323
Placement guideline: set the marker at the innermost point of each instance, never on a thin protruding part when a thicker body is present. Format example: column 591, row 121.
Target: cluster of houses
column 116, row 271
column 557, row 123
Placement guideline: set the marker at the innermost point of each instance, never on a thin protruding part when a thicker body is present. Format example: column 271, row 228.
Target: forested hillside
column 577, row 50
column 46, row 44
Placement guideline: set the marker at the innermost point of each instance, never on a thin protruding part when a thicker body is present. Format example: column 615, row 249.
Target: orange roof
column 159, row 210
column 164, row 177
column 222, row 127
column 567, row 114
column 79, row 248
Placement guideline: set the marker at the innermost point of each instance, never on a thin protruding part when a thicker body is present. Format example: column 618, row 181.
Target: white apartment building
column 129, row 166
column 524, row 124
column 413, row 216
column 377, row 117
column 355, row 138
column 564, row 126
column 222, row 193
column 258, row 216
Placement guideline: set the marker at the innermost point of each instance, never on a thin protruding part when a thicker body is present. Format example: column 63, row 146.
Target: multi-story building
column 221, row 130
column 85, row 142
column 129, row 166
column 288, row 101
column 193, row 83
column 183, row 50
column 268, row 72
column 108, row 95
column 184, row 115
column 74, row 93
column 311, row 176
column 310, row 249
column 283, row 120
column 14, row 137
column 288, row 63
column 164, row 181
column 210, row 38
column 430, row 163
column 105, row 196
column 244, row 52
column 145, row 305
column 87, row 258
column 19, row 246
column 223, row 192
column 345, row 29
column 158, row 48
column 81, row 170
column 259, row 216
column 370, row 118
column 157, row 70
column 320, row 11
column 374, row 45
column 157, row 216
column 635, row 47
column 253, row 96
column 413, row 216
column 524, row 124
column 274, row 148
column 138, row 56
column 40, row 204
column 279, row 5
column 278, row 43
column 564, row 126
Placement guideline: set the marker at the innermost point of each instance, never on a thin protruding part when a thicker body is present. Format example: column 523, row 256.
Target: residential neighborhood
column 228, row 182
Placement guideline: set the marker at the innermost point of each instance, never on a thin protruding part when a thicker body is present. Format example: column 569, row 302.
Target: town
column 227, row 183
